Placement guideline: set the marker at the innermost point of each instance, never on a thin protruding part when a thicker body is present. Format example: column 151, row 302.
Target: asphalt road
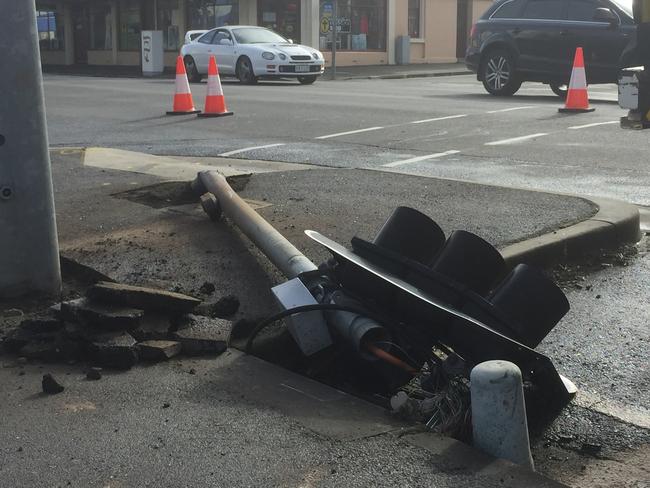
column 445, row 127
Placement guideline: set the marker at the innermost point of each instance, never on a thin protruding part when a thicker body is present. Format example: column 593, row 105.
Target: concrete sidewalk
column 397, row 71
column 239, row 421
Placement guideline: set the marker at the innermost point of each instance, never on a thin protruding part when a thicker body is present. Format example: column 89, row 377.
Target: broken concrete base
column 158, row 350
column 142, row 297
column 99, row 316
column 114, row 350
column 203, row 335
column 224, row 307
column 153, row 327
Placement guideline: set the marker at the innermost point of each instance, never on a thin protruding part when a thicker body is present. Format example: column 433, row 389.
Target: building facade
column 107, row 32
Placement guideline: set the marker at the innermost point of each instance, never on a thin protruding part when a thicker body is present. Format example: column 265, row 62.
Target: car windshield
column 253, row 35
column 625, row 6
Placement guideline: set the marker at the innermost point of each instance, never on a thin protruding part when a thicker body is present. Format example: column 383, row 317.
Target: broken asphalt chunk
column 223, row 308
column 50, row 385
column 94, row 374
column 42, row 324
column 152, row 327
column 158, row 350
column 202, row 335
column 50, row 350
column 114, row 350
column 100, row 316
column 207, row 288
column 142, row 297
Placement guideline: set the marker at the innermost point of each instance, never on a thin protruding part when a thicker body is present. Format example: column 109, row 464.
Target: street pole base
column 575, row 110
column 191, row 112
column 222, row 114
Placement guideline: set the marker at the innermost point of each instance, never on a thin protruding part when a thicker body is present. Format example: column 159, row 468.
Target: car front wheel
column 306, row 80
column 245, row 71
column 498, row 73
column 192, row 72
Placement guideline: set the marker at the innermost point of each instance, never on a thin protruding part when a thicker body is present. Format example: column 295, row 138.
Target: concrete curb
column 614, row 224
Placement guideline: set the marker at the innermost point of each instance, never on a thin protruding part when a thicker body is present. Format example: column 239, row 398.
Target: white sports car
column 249, row 53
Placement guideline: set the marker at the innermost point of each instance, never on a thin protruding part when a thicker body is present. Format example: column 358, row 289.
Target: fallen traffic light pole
column 409, row 300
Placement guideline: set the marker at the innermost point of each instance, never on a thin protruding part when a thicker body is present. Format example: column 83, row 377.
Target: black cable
column 308, row 308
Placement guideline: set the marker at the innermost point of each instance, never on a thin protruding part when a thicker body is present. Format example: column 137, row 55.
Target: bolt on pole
column 29, row 252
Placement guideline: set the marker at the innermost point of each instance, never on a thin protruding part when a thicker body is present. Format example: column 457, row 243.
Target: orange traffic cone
column 577, row 99
column 215, row 103
column 183, row 103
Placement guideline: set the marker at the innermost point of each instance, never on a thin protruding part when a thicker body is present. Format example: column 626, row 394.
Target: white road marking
column 246, row 149
column 339, row 134
column 419, row 158
column 515, row 140
column 509, row 109
column 594, row 125
column 438, row 118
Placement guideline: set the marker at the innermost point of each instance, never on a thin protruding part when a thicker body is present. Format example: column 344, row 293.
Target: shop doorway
column 281, row 16
column 79, row 15
column 464, row 20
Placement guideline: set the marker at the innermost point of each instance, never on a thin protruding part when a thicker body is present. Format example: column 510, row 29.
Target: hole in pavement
column 172, row 193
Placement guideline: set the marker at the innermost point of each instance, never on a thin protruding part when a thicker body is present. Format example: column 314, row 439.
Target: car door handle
column 516, row 30
column 564, row 32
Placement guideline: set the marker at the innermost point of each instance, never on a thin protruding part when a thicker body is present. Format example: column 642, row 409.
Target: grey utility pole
column 29, row 251
column 335, row 35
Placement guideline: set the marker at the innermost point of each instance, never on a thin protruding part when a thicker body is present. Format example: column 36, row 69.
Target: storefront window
column 50, row 28
column 130, row 25
column 208, row 14
column 169, row 21
column 361, row 25
column 281, row 16
column 415, row 9
column 101, row 27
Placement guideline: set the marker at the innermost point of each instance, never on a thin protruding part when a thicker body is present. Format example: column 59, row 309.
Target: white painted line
column 510, row 109
column 515, row 140
column 419, row 158
column 237, row 151
column 438, row 118
column 339, row 134
column 594, row 125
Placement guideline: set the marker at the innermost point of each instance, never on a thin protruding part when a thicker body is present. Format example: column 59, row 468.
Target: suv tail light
column 472, row 32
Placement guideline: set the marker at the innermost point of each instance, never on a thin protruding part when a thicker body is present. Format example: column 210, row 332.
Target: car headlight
column 268, row 56
column 316, row 55
column 282, row 56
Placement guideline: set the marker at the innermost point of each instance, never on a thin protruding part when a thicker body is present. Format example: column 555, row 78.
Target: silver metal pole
column 29, row 253
column 335, row 35
column 284, row 255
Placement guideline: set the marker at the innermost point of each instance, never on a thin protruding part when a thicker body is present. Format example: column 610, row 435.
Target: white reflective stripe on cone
column 182, row 85
column 578, row 79
column 214, row 85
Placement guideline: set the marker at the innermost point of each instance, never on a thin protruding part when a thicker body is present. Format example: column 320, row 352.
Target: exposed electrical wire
column 308, row 308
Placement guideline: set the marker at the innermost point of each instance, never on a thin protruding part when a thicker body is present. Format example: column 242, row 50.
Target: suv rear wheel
column 560, row 90
column 498, row 73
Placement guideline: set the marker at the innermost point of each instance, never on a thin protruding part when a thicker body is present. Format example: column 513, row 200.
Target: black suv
column 535, row 40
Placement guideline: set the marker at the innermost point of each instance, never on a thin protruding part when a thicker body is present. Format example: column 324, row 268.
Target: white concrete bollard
column 499, row 420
